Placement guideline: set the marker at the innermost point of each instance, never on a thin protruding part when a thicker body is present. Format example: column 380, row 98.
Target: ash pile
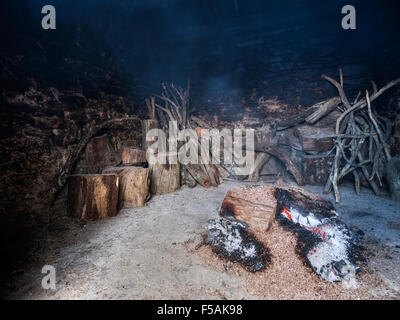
column 324, row 243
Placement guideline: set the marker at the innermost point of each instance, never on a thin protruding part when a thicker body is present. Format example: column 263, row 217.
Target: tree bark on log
column 61, row 178
column 312, row 114
column 93, row 196
column 314, row 139
column 131, row 156
column 273, row 149
column 322, row 109
column 187, row 178
column 261, row 159
column 148, row 125
column 257, row 206
column 164, row 178
column 99, row 154
column 198, row 174
column 133, row 185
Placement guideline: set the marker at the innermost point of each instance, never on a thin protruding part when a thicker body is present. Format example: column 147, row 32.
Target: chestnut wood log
column 99, row 154
column 392, row 175
column 254, row 205
column 316, row 170
column 260, row 160
column 198, row 174
column 93, row 196
column 322, row 109
column 187, row 179
column 61, row 177
column 311, row 114
column 132, row 156
column 133, row 185
column 148, row 125
column 164, row 178
column 257, row 205
column 310, row 138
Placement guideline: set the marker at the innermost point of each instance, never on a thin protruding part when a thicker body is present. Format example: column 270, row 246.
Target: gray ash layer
column 231, row 240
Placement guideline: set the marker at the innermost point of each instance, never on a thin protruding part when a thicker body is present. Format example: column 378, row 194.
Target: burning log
column 93, row 196
column 247, row 212
column 130, row 156
column 133, row 185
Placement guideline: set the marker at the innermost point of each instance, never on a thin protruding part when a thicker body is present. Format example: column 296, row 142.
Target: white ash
column 232, row 240
column 225, row 233
column 330, row 257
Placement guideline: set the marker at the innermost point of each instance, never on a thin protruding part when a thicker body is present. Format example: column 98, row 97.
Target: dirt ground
column 156, row 252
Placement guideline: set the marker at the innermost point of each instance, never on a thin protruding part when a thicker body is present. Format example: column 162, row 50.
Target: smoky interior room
column 211, row 149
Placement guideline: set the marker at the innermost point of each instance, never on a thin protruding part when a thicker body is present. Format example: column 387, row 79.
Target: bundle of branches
column 173, row 105
column 361, row 138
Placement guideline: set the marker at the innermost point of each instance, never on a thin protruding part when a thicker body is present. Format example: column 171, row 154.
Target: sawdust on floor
column 288, row 277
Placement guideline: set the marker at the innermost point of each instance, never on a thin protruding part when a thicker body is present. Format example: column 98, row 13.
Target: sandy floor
column 156, row 252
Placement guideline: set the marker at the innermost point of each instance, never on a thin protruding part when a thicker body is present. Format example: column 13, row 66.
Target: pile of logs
column 102, row 193
column 172, row 105
column 347, row 137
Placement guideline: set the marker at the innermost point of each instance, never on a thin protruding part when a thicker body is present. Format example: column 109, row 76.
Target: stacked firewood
column 172, row 106
column 345, row 137
column 113, row 182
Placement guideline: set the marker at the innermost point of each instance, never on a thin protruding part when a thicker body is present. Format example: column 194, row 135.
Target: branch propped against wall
column 67, row 169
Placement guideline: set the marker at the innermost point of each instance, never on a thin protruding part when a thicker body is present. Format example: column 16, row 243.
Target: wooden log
column 315, row 171
column 132, row 156
column 322, row 109
column 198, row 174
column 99, row 154
column 247, row 212
column 148, row 125
column 134, row 185
column 392, row 175
column 93, row 196
column 251, row 204
column 310, row 140
column 261, row 159
column 258, row 205
column 164, row 178
column 187, row 179
column 286, row 159
column 61, row 177
column 311, row 114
